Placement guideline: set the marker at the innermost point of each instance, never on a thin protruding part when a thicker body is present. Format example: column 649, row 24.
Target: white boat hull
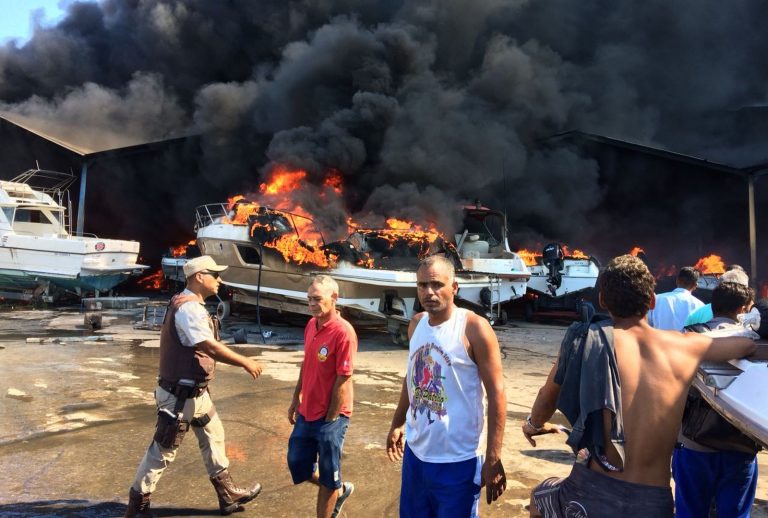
column 739, row 394
column 577, row 275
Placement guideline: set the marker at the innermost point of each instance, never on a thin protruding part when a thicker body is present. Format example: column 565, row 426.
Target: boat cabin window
column 32, row 216
column 249, row 254
column 8, row 211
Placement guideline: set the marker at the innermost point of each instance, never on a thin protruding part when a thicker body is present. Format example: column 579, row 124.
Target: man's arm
column 396, row 435
column 543, row 408
column 484, row 350
column 340, row 391
column 730, row 348
column 296, row 395
column 221, row 353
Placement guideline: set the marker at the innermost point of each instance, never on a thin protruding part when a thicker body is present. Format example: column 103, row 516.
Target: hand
column 396, row 444
column 180, row 299
column 494, row 479
column 529, row 431
column 292, row 412
column 252, row 367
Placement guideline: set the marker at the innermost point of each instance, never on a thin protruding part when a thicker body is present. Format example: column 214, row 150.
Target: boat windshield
column 488, row 226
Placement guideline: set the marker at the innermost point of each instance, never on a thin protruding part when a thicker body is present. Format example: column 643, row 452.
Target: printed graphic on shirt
column 322, row 354
column 575, row 510
column 427, row 382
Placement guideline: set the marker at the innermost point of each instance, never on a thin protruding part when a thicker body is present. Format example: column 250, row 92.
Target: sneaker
column 348, row 488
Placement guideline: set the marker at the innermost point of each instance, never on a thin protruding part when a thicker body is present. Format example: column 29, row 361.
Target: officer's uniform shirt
column 193, row 323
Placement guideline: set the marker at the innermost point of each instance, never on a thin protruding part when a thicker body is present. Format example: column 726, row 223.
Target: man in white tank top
column 453, row 359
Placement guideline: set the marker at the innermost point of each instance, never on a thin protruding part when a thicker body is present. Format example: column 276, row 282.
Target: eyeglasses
column 215, row 275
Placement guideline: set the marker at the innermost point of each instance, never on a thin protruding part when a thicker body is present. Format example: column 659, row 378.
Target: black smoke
column 419, row 105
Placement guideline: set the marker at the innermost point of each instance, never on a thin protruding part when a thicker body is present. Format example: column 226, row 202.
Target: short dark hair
column 728, row 297
column 626, row 287
column 688, row 276
column 437, row 259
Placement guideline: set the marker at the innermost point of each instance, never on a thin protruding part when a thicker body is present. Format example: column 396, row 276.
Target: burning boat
column 37, row 251
column 172, row 263
column 561, row 280
column 273, row 254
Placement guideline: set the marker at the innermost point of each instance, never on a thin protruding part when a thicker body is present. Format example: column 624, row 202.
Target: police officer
column 189, row 349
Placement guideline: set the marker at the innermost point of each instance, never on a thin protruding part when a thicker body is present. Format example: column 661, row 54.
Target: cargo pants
column 210, row 439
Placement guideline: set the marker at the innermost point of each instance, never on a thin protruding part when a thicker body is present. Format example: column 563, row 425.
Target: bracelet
column 529, row 423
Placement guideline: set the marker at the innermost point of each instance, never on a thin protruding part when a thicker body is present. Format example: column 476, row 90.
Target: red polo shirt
column 328, row 352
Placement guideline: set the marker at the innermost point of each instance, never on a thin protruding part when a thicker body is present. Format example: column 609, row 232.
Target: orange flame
column 636, row 250
column 294, row 251
column 711, row 264
column 181, row 250
column 398, row 224
column 575, row 253
column 529, row 257
column 152, row 281
column 283, row 180
column 284, row 225
column 333, row 180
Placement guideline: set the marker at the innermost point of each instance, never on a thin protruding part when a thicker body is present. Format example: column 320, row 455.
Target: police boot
column 230, row 496
column 138, row 505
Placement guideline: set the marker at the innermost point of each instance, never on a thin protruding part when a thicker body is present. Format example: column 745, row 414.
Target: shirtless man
column 655, row 369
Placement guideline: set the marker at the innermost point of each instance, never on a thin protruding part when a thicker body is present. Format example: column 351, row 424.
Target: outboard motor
column 552, row 258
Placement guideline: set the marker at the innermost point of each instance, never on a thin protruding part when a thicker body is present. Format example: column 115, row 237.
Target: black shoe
column 348, row 488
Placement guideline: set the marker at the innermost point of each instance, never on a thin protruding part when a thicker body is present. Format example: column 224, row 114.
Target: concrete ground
column 77, row 415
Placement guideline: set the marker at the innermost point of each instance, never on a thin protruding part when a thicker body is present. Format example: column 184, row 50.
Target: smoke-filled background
column 419, row 105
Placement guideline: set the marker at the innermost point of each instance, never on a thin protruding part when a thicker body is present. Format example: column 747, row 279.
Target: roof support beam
column 81, row 198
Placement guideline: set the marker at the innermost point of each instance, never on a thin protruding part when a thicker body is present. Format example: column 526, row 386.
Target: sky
column 17, row 15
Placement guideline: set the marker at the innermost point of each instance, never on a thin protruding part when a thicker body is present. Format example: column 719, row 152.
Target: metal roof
column 724, row 165
column 85, row 142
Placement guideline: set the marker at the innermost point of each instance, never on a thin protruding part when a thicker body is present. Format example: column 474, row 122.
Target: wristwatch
column 529, row 423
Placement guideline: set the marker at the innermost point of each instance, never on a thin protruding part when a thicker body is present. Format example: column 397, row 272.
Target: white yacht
column 37, row 250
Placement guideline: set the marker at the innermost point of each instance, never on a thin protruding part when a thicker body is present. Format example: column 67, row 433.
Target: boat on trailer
column 38, row 255
column 375, row 268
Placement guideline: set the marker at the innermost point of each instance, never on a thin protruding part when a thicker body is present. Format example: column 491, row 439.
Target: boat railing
column 209, row 214
column 52, row 183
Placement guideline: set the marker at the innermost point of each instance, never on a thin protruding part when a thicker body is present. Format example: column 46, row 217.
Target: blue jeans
column 730, row 478
column 438, row 490
column 317, row 444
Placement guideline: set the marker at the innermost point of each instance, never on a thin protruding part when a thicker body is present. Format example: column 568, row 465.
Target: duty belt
column 184, row 391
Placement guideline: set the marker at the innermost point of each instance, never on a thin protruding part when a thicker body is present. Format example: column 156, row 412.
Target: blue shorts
column 439, row 490
column 727, row 477
column 317, row 445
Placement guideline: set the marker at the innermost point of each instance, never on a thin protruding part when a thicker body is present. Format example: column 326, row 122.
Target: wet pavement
column 77, row 414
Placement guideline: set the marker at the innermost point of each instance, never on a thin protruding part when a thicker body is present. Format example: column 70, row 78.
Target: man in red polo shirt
column 322, row 402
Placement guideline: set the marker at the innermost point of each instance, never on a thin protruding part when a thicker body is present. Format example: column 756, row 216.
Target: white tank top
column 445, row 416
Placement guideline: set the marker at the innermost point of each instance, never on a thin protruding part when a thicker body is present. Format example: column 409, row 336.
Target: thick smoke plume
column 419, row 105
